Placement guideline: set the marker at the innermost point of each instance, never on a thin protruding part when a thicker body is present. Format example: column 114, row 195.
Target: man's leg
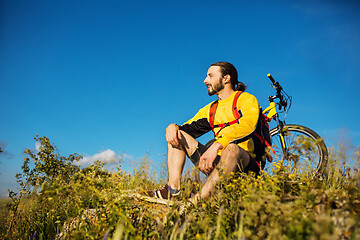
column 233, row 159
column 177, row 156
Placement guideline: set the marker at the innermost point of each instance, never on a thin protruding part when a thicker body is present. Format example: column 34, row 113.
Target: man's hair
column 227, row 68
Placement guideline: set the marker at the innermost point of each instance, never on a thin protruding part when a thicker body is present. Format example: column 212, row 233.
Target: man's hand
column 207, row 159
column 173, row 135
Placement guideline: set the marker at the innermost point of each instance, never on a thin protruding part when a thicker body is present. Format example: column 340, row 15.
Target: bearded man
column 232, row 118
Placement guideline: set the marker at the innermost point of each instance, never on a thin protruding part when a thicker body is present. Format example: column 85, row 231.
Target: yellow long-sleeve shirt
column 248, row 108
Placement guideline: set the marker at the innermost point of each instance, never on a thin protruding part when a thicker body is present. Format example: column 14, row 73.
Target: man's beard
column 216, row 88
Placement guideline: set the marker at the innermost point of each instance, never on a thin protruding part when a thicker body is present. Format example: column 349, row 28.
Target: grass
column 92, row 204
column 4, row 213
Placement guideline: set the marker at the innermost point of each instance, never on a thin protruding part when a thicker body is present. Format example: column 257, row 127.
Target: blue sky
column 101, row 78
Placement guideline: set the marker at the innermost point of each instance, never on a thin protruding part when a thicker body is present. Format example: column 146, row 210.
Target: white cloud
column 107, row 156
column 37, row 146
column 127, row 157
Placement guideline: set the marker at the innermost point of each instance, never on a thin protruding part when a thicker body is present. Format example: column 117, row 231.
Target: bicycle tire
column 307, row 152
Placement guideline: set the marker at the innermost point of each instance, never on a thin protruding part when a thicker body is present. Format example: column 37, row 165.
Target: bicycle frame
column 292, row 152
column 273, row 114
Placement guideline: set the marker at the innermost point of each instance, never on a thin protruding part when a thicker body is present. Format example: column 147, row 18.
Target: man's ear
column 227, row 78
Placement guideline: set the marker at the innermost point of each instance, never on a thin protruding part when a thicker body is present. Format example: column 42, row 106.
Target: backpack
column 261, row 136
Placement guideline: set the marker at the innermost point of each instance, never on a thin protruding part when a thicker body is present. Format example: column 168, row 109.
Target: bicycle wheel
column 306, row 152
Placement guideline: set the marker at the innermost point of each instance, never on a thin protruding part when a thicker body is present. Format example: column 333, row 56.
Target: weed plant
column 58, row 200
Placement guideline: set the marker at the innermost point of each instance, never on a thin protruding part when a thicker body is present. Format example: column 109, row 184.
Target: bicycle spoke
column 304, row 155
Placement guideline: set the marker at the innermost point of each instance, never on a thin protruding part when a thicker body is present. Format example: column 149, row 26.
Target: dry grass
column 91, row 204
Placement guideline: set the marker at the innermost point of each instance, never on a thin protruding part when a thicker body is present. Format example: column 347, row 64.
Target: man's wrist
column 218, row 145
column 223, row 141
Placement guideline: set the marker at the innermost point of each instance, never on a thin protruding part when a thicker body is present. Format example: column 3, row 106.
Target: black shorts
column 253, row 166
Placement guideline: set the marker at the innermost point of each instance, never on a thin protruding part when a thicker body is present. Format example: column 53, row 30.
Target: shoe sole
column 150, row 199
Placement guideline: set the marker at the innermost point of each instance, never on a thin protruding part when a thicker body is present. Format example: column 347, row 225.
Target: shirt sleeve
column 249, row 107
column 199, row 124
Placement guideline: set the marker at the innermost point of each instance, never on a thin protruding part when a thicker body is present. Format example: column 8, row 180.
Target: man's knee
column 235, row 153
column 232, row 150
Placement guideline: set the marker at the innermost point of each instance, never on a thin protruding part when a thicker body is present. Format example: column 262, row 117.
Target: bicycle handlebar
column 271, row 78
column 276, row 84
column 279, row 93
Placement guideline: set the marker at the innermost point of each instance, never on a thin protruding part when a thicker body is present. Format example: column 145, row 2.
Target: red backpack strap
column 213, row 108
column 264, row 141
column 236, row 114
column 234, row 107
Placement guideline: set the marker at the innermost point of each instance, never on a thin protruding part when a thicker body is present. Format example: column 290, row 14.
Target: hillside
column 61, row 201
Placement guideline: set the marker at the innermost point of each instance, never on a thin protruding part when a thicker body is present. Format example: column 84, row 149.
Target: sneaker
column 163, row 193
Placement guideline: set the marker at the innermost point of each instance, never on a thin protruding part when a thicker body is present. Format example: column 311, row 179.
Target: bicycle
column 298, row 149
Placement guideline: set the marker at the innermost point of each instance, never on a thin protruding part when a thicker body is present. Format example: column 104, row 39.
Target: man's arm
column 199, row 124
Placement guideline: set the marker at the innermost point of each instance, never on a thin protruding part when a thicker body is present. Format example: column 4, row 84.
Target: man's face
column 214, row 80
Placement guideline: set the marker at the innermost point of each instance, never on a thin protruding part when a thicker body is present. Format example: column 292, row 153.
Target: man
column 233, row 148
